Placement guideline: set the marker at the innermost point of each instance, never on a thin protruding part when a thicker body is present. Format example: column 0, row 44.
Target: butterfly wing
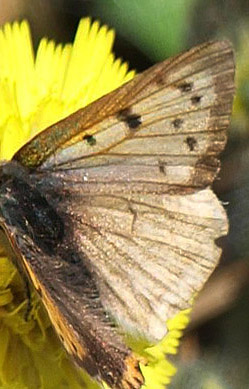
column 153, row 119
column 130, row 178
column 138, row 193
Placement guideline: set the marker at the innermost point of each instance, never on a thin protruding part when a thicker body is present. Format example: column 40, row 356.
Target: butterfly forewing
column 182, row 105
column 129, row 178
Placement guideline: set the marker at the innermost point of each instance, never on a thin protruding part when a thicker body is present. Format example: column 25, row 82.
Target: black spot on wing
column 91, row 140
column 177, row 123
column 185, row 87
column 161, row 166
column 196, row 100
column 191, row 142
column 133, row 120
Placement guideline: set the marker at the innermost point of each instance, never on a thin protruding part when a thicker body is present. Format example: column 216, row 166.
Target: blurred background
column 215, row 350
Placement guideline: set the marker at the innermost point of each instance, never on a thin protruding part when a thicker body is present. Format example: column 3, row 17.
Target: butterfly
column 110, row 213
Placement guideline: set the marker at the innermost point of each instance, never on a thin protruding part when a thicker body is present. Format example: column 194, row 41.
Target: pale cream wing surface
column 137, row 183
column 150, row 253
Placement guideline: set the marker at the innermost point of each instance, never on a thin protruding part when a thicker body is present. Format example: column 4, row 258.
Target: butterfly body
column 110, row 211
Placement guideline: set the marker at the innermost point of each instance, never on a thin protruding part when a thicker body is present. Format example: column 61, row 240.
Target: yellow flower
column 35, row 92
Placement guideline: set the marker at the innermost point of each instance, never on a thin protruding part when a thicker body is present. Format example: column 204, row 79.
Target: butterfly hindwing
column 150, row 253
column 60, row 274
